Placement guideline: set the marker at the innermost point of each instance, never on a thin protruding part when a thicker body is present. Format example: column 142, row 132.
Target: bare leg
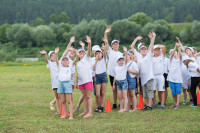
column 85, row 103
column 52, row 104
column 98, row 100
column 124, row 93
column 103, row 96
column 89, row 102
column 63, row 102
column 69, row 101
column 178, row 99
column 166, row 94
column 133, row 99
column 120, row 100
column 185, row 94
column 57, row 100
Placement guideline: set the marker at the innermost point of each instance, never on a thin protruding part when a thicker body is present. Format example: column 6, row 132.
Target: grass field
column 25, row 93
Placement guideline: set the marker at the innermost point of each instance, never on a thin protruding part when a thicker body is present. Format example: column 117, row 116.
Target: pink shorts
column 86, row 86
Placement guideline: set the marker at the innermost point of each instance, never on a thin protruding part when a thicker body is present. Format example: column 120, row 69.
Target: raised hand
column 150, row 35
column 154, row 34
column 88, row 39
column 177, row 45
column 82, row 43
column 177, row 39
column 139, row 38
column 43, row 52
column 72, row 39
column 105, row 40
column 125, row 49
column 108, row 30
column 56, row 50
column 103, row 47
column 76, row 51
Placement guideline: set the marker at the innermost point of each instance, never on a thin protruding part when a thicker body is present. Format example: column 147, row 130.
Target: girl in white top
column 84, row 71
column 159, row 69
column 121, row 81
column 53, row 66
column 64, row 85
column 132, row 78
column 174, row 76
column 99, row 67
column 113, row 53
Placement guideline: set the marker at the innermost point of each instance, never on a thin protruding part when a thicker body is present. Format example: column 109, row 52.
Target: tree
column 188, row 18
column 140, row 18
column 63, row 18
column 3, row 29
column 195, row 30
column 53, row 18
column 125, row 31
column 38, row 21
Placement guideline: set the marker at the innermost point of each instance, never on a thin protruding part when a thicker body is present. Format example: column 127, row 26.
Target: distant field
column 25, row 93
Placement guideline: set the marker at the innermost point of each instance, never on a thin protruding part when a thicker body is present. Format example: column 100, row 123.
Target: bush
column 195, row 30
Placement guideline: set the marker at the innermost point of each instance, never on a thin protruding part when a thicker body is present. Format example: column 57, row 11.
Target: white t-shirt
column 174, row 74
column 145, row 66
column 120, row 72
column 192, row 68
column 84, row 70
column 198, row 60
column 54, row 73
column 65, row 73
column 132, row 66
column 92, row 61
column 137, row 54
column 158, row 65
column 112, row 61
column 101, row 66
column 166, row 65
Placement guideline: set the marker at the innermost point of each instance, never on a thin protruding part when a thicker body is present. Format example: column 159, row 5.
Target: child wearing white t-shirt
column 174, row 77
column 166, row 66
column 113, row 53
column 53, row 66
column 121, row 81
column 84, row 71
column 99, row 68
column 159, row 69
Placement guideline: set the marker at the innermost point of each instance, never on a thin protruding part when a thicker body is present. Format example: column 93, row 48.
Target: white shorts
column 159, row 83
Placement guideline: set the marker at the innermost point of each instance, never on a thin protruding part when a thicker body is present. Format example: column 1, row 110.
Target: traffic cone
column 108, row 106
column 141, row 103
column 63, row 112
column 198, row 98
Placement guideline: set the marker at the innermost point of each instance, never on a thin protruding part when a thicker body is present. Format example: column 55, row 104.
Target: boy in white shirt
column 145, row 65
column 159, row 69
column 53, row 66
column 64, row 85
column 113, row 53
column 121, row 81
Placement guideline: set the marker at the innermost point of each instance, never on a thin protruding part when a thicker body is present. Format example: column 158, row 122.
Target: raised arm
column 104, row 50
column 126, row 57
column 45, row 53
column 173, row 52
column 56, row 54
column 163, row 49
column 152, row 39
column 88, row 40
column 72, row 40
column 82, row 45
column 95, row 64
column 105, row 38
column 135, row 41
column 179, row 52
column 181, row 45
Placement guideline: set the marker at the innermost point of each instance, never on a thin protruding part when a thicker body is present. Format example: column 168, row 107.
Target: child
column 84, row 71
column 174, row 77
column 194, row 71
column 131, row 76
column 158, row 69
column 64, row 84
column 113, row 53
column 145, row 65
column 99, row 67
column 53, row 66
column 166, row 67
column 121, row 81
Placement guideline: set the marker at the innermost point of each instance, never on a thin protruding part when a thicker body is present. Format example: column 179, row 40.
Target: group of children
column 147, row 69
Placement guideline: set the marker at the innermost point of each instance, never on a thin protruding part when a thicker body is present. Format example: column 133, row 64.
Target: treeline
column 26, row 11
column 14, row 38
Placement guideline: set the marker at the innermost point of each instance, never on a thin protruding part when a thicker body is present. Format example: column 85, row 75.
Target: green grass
column 25, row 93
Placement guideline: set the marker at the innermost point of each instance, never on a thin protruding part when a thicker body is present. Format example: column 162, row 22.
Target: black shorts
column 166, row 82
column 55, row 88
column 111, row 80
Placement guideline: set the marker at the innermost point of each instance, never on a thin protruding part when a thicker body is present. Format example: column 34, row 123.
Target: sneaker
column 158, row 103
column 155, row 106
column 162, row 107
column 99, row 109
column 114, row 106
column 96, row 110
column 147, row 108
column 176, row 107
column 131, row 107
column 184, row 103
column 192, row 105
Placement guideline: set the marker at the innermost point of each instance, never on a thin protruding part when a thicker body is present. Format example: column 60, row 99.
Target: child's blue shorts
column 101, row 78
column 175, row 88
column 64, row 87
column 131, row 82
column 122, row 84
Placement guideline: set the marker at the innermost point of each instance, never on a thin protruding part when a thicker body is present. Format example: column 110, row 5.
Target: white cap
column 130, row 51
column 170, row 52
column 50, row 52
column 190, row 49
column 98, row 49
column 119, row 57
column 114, row 41
column 156, row 46
column 142, row 47
column 184, row 47
column 139, row 45
column 81, row 50
column 95, row 47
column 65, row 57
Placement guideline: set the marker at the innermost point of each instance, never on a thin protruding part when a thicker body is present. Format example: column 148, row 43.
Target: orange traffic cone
column 63, row 112
column 198, row 98
column 108, row 106
column 141, row 103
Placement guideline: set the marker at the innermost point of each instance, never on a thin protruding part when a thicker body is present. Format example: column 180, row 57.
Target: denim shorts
column 122, row 84
column 131, row 82
column 101, row 78
column 64, row 87
column 175, row 88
